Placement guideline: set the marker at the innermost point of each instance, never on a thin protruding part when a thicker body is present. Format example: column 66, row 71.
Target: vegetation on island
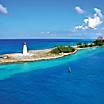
column 66, row 49
column 98, row 42
column 62, row 49
column 55, row 52
column 85, row 45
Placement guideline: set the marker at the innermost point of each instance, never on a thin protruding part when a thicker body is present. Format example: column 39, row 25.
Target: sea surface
column 48, row 82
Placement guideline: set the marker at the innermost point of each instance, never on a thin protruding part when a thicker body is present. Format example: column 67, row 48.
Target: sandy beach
column 33, row 55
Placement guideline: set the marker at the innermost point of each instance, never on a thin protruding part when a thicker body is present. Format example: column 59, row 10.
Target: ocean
column 48, row 82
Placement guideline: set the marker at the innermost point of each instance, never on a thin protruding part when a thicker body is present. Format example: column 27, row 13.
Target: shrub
column 98, row 42
column 90, row 45
column 55, row 51
column 62, row 49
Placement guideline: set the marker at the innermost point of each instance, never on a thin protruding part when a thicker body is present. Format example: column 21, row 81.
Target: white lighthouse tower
column 25, row 49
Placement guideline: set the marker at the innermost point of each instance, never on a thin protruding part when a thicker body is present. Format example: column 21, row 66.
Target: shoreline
column 34, row 55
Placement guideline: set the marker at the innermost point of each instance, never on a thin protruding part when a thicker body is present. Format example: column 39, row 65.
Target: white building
column 25, row 49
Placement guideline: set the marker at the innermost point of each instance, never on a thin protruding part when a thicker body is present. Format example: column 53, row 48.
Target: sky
column 51, row 19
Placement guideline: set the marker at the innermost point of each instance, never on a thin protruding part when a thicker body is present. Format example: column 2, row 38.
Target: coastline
column 34, row 55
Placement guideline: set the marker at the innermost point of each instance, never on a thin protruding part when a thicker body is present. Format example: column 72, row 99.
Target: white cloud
column 79, row 10
column 98, row 12
column 92, row 22
column 78, row 27
column 46, row 32
column 3, row 9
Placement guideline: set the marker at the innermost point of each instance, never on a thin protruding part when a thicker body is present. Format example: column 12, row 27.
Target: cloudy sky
column 51, row 18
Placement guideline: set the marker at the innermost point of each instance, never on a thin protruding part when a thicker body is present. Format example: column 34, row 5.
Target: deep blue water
column 11, row 46
column 48, row 82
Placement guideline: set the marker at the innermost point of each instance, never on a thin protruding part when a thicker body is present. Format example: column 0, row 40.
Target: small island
column 46, row 54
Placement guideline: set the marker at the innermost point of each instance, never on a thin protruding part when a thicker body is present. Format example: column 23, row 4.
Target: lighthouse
column 25, row 49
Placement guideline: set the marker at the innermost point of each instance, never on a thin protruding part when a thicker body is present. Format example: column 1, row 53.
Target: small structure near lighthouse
column 25, row 49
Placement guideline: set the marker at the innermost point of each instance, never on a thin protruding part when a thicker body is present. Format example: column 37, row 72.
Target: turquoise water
column 48, row 82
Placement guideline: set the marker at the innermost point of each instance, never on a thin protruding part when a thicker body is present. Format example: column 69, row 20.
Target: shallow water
column 48, row 82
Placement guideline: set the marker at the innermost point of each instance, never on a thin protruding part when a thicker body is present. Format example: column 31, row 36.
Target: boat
column 69, row 70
